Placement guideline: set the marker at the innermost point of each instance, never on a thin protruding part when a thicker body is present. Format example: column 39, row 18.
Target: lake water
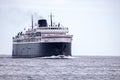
column 77, row 68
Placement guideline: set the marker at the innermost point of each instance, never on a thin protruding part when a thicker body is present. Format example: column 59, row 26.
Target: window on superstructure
column 38, row 34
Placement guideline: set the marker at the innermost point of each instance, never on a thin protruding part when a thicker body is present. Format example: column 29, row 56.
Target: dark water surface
column 78, row 68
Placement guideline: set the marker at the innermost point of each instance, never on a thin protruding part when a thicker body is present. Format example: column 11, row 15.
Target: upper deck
column 43, row 32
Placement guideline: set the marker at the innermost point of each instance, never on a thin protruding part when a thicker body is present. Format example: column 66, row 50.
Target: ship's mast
column 32, row 21
column 51, row 19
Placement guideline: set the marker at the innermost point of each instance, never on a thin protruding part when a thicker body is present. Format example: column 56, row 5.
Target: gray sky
column 95, row 24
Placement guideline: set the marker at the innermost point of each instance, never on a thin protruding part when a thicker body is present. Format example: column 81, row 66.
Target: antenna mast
column 51, row 19
column 32, row 21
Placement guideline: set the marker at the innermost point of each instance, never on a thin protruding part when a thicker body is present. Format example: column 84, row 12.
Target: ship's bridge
column 52, row 30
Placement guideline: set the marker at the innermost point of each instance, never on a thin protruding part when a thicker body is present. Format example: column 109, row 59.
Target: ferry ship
column 43, row 41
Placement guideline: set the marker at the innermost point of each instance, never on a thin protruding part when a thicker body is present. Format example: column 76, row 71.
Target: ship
column 42, row 41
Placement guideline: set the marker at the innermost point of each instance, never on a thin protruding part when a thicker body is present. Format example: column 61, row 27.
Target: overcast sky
column 94, row 24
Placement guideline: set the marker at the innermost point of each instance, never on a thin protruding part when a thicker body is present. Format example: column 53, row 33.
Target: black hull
column 41, row 49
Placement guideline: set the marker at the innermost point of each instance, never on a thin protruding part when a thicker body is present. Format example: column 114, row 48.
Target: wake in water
column 58, row 57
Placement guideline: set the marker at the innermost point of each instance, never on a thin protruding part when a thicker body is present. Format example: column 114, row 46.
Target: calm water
column 78, row 68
